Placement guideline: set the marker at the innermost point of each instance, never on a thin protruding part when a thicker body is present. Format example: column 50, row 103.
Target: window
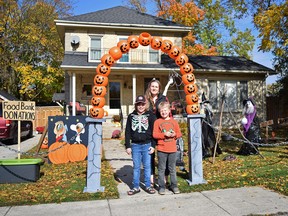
column 114, row 95
column 86, row 91
column 235, row 93
column 153, row 55
column 95, row 49
column 125, row 56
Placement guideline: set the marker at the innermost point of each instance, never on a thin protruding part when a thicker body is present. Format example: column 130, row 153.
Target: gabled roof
column 79, row 60
column 5, row 96
column 121, row 14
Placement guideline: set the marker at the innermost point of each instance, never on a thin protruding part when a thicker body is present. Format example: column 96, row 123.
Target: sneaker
column 150, row 190
column 176, row 190
column 161, row 191
column 133, row 191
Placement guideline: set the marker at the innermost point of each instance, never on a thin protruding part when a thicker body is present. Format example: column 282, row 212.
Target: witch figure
column 251, row 128
column 208, row 133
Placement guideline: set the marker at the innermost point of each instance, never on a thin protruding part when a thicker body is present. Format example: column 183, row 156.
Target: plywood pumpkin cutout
column 115, row 53
column 58, row 152
column 77, row 152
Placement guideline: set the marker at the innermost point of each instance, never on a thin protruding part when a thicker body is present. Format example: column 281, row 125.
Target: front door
column 114, row 97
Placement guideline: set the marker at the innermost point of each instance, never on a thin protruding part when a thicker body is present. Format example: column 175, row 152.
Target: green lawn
column 65, row 182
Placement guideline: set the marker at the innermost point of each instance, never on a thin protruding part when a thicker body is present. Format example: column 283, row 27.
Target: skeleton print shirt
column 139, row 129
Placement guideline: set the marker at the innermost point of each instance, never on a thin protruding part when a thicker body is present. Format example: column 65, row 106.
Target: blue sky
column 86, row 6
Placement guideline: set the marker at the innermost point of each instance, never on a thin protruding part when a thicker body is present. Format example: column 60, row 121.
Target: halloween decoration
column 144, row 39
column 251, row 128
column 103, row 70
column 166, row 46
column 186, row 68
column 100, row 80
column 208, row 133
column 133, row 41
column 181, row 59
column 98, row 101
column 188, row 78
column 193, row 109
column 77, row 152
column 174, row 52
column 192, row 98
column 124, row 46
column 107, row 59
column 156, row 43
column 190, row 88
column 99, row 91
column 115, row 52
column 96, row 112
column 58, row 152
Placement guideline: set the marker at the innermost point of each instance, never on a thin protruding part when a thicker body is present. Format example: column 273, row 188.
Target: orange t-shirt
column 165, row 144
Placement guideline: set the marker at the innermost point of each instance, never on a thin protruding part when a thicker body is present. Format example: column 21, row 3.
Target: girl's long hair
column 148, row 94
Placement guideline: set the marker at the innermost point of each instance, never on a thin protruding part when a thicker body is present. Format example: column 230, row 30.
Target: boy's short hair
column 164, row 104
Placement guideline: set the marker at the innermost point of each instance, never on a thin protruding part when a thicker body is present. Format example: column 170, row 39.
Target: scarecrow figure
column 208, row 133
column 251, row 128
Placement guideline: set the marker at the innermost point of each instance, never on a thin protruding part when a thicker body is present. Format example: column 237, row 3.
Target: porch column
column 134, row 88
column 73, row 94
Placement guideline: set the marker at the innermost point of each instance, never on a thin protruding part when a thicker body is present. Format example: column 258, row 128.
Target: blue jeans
column 163, row 159
column 140, row 155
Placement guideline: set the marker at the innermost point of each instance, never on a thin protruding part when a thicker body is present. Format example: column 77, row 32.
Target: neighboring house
column 86, row 38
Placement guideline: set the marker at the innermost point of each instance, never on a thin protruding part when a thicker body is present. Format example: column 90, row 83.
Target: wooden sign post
column 266, row 124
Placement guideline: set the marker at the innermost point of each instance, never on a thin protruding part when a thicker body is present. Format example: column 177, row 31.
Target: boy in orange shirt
column 166, row 131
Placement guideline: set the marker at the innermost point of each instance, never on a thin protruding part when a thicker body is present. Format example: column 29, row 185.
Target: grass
column 65, row 182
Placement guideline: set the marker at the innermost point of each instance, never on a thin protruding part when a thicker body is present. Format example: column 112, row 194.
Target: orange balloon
column 99, row 91
column 174, row 52
column 193, row 109
column 181, row 59
column 133, row 41
column 190, row 89
column 166, row 46
column 186, row 68
column 124, row 46
column 156, row 43
column 115, row 52
column 96, row 112
column 192, row 98
column 188, row 78
column 98, row 101
column 100, row 80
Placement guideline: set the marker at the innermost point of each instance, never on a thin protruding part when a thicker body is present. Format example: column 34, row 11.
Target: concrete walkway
column 239, row 201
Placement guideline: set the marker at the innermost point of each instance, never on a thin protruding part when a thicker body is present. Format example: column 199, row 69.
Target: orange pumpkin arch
column 133, row 41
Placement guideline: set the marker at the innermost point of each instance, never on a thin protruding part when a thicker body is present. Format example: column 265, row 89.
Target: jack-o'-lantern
column 144, row 39
column 192, row 98
column 156, row 43
column 100, row 80
column 124, row 46
column 96, row 112
column 186, row 68
column 174, row 52
column 188, row 78
column 181, row 59
column 103, row 69
column 98, row 101
column 193, row 109
column 107, row 59
column 190, row 88
column 115, row 52
column 133, row 41
column 166, row 46
column 99, row 91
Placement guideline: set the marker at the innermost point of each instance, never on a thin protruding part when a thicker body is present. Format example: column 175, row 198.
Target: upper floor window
column 153, row 55
column 95, row 48
column 234, row 92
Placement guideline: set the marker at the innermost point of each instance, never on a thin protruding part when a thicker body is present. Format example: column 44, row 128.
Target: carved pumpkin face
column 156, row 43
column 192, row 98
column 96, row 112
column 103, row 69
column 107, row 59
column 133, row 41
column 98, row 101
column 181, row 59
column 174, row 52
column 115, row 52
column 166, row 46
column 100, row 80
column 144, row 39
column 188, row 78
column 191, row 88
column 193, row 109
column 124, row 46
column 186, row 68
column 99, row 91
